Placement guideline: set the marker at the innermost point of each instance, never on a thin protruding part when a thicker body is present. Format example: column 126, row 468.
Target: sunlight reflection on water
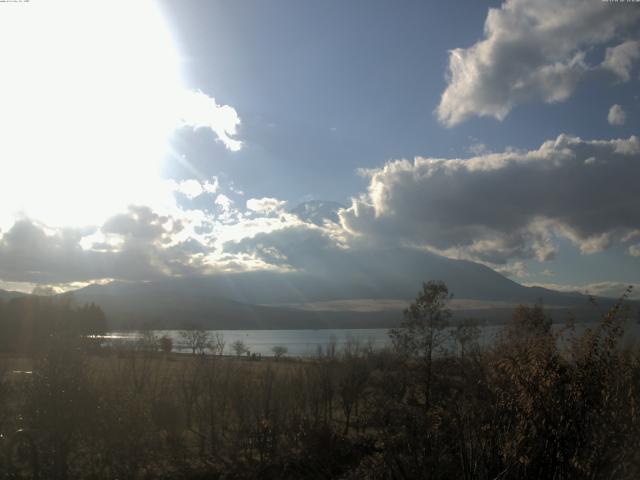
column 306, row 342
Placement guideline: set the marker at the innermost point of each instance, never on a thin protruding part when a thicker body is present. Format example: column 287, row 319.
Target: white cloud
column 224, row 202
column 533, row 51
column 616, row 115
column 634, row 250
column 478, row 148
column 265, row 205
column 515, row 269
column 620, row 59
column 477, row 208
column 198, row 110
column 192, row 188
column 142, row 242
column 227, row 213
column 502, row 206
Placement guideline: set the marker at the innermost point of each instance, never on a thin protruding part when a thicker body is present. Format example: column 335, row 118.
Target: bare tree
column 239, row 348
column 279, row 351
column 354, row 375
column 196, row 339
column 466, row 334
column 148, row 341
column 421, row 332
column 217, row 343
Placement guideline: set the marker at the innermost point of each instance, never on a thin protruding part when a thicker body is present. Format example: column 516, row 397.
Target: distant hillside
column 266, row 300
column 8, row 295
column 364, row 274
column 177, row 305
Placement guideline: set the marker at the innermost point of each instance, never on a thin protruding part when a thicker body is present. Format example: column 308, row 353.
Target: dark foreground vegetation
column 28, row 323
column 538, row 404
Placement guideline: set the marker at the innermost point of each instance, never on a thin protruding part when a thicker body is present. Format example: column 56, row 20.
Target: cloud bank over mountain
column 508, row 205
column 478, row 208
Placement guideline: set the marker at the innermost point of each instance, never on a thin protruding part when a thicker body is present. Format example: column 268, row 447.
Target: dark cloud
column 142, row 224
column 301, row 246
column 360, row 270
column 509, row 205
column 495, row 208
column 30, row 252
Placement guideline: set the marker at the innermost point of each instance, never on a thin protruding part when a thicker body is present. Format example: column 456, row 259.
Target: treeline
column 27, row 323
column 538, row 403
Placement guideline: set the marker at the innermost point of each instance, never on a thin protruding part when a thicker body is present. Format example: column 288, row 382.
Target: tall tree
column 421, row 332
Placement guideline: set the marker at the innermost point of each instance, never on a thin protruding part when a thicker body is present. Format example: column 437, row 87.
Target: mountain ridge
column 267, row 299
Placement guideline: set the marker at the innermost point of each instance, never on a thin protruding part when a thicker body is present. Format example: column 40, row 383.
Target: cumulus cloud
column 152, row 228
column 515, row 269
column 293, row 246
column 198, row 110
column 616, row 115
column 227, row 212
column 534, row 51
column 144, row 243
column 28, row 252
column 141, row 223
column 494, row 208
column 620, row 59
column 139, row 244
column 265, row 205
column 192, row 188
column 478, row 148
column 503, row 206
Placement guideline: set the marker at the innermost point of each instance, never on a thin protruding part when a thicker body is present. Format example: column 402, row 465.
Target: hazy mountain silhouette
column 272, row 299
column 9, row 294
column 379, row 275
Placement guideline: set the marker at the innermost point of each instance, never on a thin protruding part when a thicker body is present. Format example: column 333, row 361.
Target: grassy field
column 540, row 403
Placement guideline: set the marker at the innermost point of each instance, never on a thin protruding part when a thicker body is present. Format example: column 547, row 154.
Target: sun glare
column 89, row 96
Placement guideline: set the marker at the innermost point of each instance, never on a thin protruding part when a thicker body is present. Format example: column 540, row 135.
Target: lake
column 306, row 342
column 298, row 342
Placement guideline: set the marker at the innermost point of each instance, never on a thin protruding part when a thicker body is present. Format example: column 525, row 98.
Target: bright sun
column 90, row 92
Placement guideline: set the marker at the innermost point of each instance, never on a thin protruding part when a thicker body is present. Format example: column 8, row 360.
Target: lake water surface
column 307, row 342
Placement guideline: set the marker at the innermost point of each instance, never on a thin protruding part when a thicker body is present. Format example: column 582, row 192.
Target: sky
column 142, row 140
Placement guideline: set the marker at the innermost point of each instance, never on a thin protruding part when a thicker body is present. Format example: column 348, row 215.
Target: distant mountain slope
column 324, row 296
column 391, row 273
column 177, row 305
column 263, row 300
column 8, row 295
